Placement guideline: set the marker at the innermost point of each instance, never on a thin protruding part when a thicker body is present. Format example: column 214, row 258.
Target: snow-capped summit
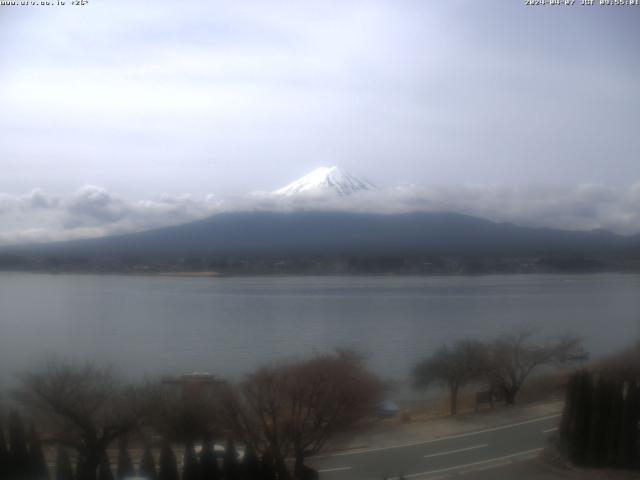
column 326, row 180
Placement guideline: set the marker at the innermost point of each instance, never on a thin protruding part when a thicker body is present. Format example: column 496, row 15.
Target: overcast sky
column 144, row 105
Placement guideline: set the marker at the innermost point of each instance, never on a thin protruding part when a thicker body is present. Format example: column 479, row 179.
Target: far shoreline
column 213, row 274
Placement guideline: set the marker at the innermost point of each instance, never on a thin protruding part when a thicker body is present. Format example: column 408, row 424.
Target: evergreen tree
column 63, row 465
column 4, row 456
column 567, row 423
column 209, row 469
column 37, row 463
column 190, row 467
column 599, row 426
column 104, row 470
column 250, row 465
column 268, row 471
column 19, row 461
column 634, row 434
column 81, row 468
column 628, row 452
column 168, row 466
column 125, row 464
column 147, row 468
column 579, row 440
column 600, row 406
column 614, row 426
column 230, row 467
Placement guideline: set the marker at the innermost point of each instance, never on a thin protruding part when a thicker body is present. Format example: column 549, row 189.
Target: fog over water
column 228, row 326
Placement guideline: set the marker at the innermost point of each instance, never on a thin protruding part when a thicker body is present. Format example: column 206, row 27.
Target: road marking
column 466, row 465
column 337, row 469
column 456, row 451
column 441, row 439
column 549, row 430
column 490, row 467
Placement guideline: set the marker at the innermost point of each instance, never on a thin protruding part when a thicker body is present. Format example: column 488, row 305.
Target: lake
column 228, row 326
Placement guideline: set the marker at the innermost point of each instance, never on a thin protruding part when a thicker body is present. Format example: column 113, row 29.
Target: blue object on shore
column 387, row 409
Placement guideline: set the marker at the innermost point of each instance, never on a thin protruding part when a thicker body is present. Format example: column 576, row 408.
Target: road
column 501, row 446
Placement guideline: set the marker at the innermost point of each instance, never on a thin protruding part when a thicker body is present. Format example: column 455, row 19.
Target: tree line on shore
column 280, row 415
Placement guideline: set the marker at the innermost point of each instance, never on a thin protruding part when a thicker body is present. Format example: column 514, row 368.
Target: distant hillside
column 329, row 235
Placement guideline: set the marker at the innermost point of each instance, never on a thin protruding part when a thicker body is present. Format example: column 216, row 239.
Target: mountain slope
column 339, row 233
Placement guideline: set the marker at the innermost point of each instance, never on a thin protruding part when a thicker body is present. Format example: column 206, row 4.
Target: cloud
column 93, row 205
column 93, row 211
column 36, row 199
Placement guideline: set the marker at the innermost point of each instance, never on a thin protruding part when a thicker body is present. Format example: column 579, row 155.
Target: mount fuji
column 326, row 180
column 326, row 240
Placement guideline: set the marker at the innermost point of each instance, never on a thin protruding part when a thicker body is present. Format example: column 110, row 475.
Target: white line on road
column 441, row 439
column 456, row 451
column 490, row 467
column 466, row 465
column 549, row 430
column 337, row 469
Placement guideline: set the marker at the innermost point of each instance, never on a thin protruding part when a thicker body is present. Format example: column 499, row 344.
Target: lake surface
column 228, row 326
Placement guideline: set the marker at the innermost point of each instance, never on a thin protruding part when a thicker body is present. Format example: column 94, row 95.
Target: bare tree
column 85, row 405
column 327, row 395
column 295, row 408
column 184, row 418
column 453, row 367
column 513, row 357
column 255, row 412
